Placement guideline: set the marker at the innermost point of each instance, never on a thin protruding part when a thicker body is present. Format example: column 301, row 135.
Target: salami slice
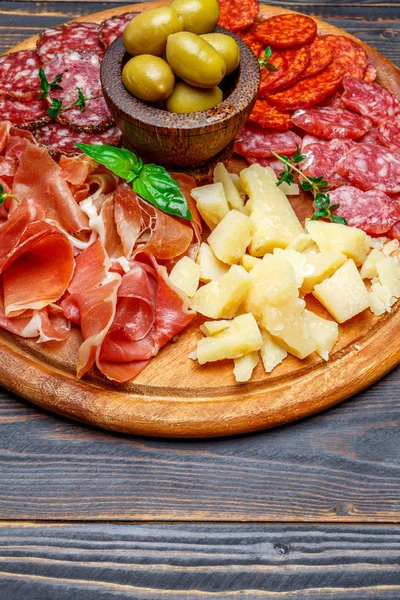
column 310, row 91
column 253, row 140
column 389, row 134
column 374, row 212
column 372, row 167
column 308, row 140
column 321, row 160
column 370, row 100
column 320, row 53
column 80, row 71
column 60, row 139
column 371, row 137
column 19, row 74
column 371, row 72
column 248, row 36
column 25, row 114
column 331, row 123
column 112, row 28
column 236, row 15
column 266, row 115
column 349, row 54
column 290, row 64
column 286, row 31
column 82, row 37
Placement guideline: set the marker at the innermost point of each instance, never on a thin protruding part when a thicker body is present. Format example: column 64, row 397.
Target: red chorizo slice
column 236, row 15
column 291, row 65
column 266, row 115
column 349, row 54
column 286, row 31
column 320, row 53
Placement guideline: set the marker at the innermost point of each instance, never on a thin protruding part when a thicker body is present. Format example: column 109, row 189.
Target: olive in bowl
column 180, row 139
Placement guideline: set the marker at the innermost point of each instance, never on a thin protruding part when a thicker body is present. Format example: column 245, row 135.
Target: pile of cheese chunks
column 259, row 263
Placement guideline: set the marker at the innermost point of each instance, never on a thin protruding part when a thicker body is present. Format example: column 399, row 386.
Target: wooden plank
column 341, row 466
column 39, row 561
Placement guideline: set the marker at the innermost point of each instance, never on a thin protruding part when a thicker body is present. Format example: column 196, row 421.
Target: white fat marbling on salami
column 370, row 100
column 331, row 123
column 82, row 37
column 112, row 28
column 258, row 142
column 373, row 211
column 19, row 75
column 372, row 167
column 389, row 134
column 23, row 113
column 79, row 70
column 321, row 159
column 60, row 139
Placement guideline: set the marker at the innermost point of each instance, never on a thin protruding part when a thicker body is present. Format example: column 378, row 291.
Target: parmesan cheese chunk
column 297, row 260
column 369, row 266
column 211, row 269
column 245, row 365
column 248, row 262
column 231, row 237
column 222, row 299
column 320, row 266
column 381, row 299
column 389, row 274
column 301, row 242
column 214, row 327
column 185, row 275
column 275, row 223
column 211, row 203
column 324, row 333
column 352, row 242
column 390, row 247
column 344, row 294
column 233, row 197
column 272, row 353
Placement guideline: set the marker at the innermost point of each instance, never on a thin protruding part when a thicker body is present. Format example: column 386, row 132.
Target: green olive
column 194, row 60
column 187, row 99
column 147, row 33
column 148, row 77
column 200, row 16
column 226, row 47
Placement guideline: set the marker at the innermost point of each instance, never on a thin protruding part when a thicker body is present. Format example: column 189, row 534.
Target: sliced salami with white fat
column 370, row 100
column 331, row 123
column 25, row 114
column 372, row 167
column 60, row 139
column 322, row 158
column 256, row 141
column 310, row 139
column 389, row 134
column 82, row 37
column 19, row 75
column 374, row 212
column 80, row 71
column 112, row 28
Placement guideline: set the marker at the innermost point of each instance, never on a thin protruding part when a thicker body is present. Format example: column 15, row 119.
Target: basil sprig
column 151, row 182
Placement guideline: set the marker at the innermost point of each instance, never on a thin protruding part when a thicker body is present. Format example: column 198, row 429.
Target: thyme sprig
column 264, row 61
column 4, row 195
column 318, row 186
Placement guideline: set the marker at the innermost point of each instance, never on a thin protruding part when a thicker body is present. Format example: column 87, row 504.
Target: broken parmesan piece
column 272, row 353
column 245, row 365
column 324, row 333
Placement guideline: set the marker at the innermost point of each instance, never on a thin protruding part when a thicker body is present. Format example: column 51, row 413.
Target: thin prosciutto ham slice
column 48, row 324
column 39, row 178
column 36, row 261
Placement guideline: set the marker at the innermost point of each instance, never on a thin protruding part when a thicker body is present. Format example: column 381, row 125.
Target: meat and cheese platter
column 149, row 291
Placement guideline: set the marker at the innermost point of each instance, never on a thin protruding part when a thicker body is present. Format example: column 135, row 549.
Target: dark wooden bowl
column 180, row 139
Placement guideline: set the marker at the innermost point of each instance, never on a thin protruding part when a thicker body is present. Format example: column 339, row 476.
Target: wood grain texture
column 43, row 562
column 342, row 466
column 192, row 401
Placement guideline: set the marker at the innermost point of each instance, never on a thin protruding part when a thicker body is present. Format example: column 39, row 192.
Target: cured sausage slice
column 331, row 123
column 266, row 115
column 371, row 72
column 19, row 74
column 25, row 114
column 60, row 139
column 112, row 28
column 349, row 54
column 237, row 14
column 320, row 54
column 374, row 212
column 389, row 134
column 80, row 71
column 248, row 36
column 310, row 91
column 370, row 100
column 286, row 31
column 291, row 65
column 82, row 37
column 322, row 158
column 253, row 140
column 372, row 167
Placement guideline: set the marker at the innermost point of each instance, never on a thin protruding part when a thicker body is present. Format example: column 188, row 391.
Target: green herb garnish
column 4, row 195
column 81, row 102
column 264, row 62
column 151, row 182
column 318, row 186
column 46, row 85
column 55, row 108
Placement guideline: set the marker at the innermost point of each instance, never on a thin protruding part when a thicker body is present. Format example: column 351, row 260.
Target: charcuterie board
column 176, row 397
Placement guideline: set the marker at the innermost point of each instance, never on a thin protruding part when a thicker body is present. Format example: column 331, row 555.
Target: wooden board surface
column 174, row 397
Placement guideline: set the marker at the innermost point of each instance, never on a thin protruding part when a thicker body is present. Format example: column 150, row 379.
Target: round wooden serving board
column 174, row 396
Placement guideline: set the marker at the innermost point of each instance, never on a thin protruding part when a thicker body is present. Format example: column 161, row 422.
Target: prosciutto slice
column 48, row 324
column 39, row 178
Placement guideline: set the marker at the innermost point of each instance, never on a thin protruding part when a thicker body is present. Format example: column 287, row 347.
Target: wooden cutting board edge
column 233, row 409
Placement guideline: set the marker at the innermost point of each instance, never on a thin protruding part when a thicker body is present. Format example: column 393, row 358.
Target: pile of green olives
column 178, row 42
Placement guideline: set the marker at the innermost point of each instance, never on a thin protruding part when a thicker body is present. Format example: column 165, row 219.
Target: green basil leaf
column 119, row 160
column 156, row 185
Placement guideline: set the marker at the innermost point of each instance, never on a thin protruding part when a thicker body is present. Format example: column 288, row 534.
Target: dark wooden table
column 308, row 510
